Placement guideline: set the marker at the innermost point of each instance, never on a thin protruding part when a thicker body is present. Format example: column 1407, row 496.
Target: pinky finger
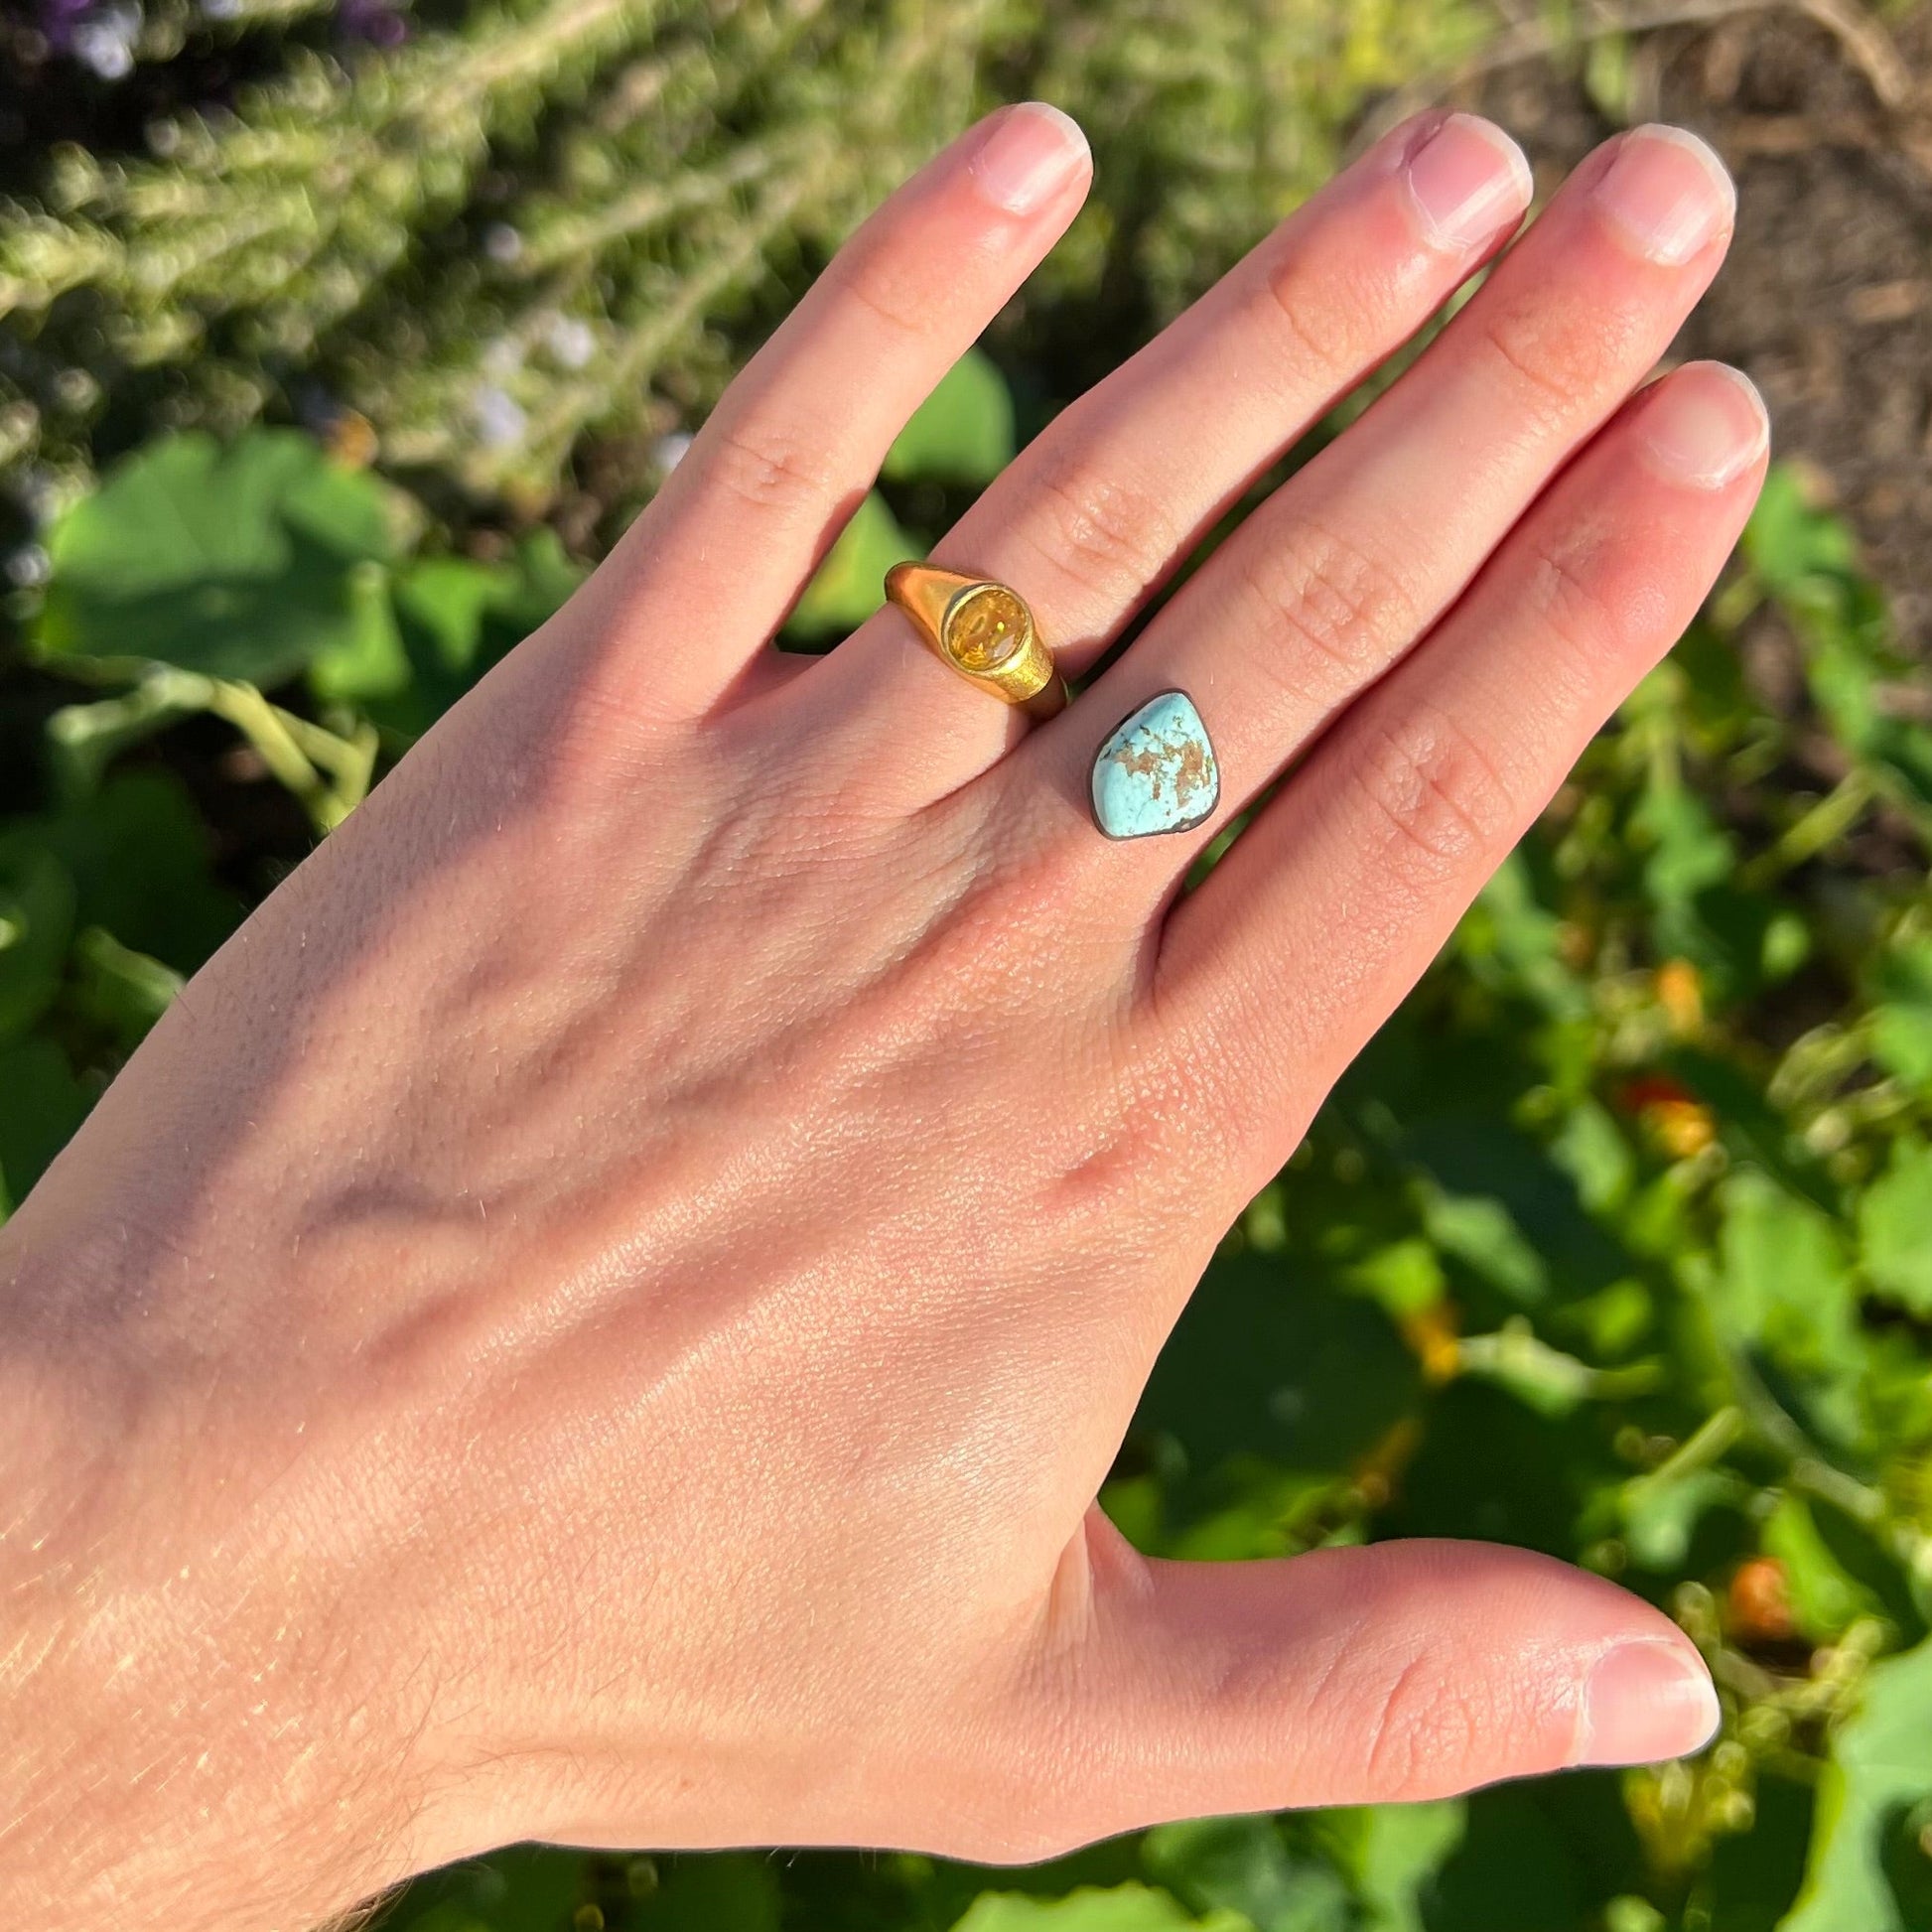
column 1356, row 873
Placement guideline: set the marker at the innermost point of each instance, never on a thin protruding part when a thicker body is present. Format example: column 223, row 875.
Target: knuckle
column 1425, row 1733
column 772, row 469
column 1111, row 1160
column 1105, row 533
column 1555, row 355
column 1577, row 602
column 1343, row 608
column 1300, row 290
column 895, row 293
column 1438, row 795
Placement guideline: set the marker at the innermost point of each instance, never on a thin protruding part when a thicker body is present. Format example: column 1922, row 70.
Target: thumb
column 1357, row 1676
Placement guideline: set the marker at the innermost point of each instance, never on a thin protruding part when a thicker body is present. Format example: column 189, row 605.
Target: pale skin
column 602, row 1312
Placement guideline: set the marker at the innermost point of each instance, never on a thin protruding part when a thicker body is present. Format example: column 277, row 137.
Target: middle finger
column 1352, row 560
column 1116, row 491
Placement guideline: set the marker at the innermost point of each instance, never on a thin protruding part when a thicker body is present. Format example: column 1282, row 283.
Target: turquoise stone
column 1156, row 770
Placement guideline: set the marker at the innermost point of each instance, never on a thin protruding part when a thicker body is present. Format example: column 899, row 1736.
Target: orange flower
column 1757, row 1605
column 1431, row 1333
column 1670, row 1113
column 1680, row 992
column 1651, row 1090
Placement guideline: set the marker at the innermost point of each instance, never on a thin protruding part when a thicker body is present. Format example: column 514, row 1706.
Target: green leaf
column 1610, row 76
column 1405, row 1278
column 140, row 858
column 37, row 902
column 1392, row 1853
column 1906, row 1854
column 437, row 624
column 1660, row 1513
column 1482, row 1234
column 1895, row 1227
column 366, row 661
column 851, row 582
column 525, row 1888
column 710, row 1892
column 1591, row 1150
column 235, row 563
column 1545, row 1856
column 1825, row 1596
column 1880, row 1762
column 1754, row 1876
column 122, row 991
column 962, row 433
column 1489, row 1466
column 1265, row 1365
column 41, row 1105
column 1784, row 1289
column 1121, row 1908
column 1244, row 1865
column 1513, row 941
column 1901, row 1020
column 1789, row 543
column 1688, row 848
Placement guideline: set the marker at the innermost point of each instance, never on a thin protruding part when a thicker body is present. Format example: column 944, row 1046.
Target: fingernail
column 1468, row 179
column 1030, row 153
column 1668, row 193
column 1704, row 425
column 1644, row 1701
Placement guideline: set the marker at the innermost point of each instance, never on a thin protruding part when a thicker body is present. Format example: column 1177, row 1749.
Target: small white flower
column 500, row 418
column 76, row 388
column 503, row 356
column 572, row 341
column 105, row 41
column 671, row 450
column 28, row 567
column 502, row 243
column 44, row 495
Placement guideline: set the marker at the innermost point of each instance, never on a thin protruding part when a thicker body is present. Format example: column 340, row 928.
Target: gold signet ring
column 984, row 632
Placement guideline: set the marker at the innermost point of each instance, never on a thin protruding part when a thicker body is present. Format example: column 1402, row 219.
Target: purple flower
column 378, row 22
column 98, row 36
column 58, row 19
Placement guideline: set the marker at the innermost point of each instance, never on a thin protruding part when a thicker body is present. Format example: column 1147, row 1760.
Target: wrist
column 192, row 1728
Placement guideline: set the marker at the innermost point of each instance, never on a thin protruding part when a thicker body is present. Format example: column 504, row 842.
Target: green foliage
column 1895, row 1227
column 106, row 905
column 526, row 228
column 962, row 433
column 1125, row 1908
column 847, row 588
column 1593, row 1250
column 197, row 576
column 1867, row 1868
column 236, row 563
column 519, row 1891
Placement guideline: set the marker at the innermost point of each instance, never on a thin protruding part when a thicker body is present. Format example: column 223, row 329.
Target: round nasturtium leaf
column 234, row 562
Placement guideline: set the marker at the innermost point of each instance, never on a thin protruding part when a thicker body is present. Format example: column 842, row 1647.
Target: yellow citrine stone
column 986, row 628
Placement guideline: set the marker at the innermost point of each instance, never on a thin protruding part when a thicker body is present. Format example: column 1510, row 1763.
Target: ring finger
column 1116, row 492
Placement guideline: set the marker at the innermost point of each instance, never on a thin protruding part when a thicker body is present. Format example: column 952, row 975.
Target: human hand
column 602, row 1312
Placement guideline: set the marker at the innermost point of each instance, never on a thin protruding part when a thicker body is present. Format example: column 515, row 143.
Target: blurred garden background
column 340, row 337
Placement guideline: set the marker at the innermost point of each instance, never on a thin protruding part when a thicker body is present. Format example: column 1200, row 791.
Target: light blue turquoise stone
column 1156, row 771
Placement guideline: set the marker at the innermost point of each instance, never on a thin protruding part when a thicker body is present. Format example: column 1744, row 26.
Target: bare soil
column 1825, row 301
